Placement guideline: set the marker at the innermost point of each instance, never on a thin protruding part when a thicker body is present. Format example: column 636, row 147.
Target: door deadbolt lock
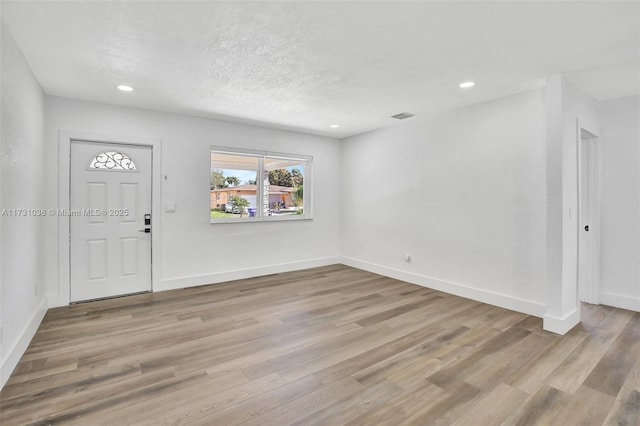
column 147, row 224
column 586, row 228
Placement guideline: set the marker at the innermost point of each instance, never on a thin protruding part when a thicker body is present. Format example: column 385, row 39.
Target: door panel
column 97, row 259
column 110, row 194
column 97, row 200
column 129, row 201
column 588, row 218
column 129, row 256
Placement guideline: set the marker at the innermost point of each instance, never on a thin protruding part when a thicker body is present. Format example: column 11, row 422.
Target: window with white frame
column 250, row 186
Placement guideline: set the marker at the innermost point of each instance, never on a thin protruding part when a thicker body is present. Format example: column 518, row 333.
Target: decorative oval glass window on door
column 112, row 160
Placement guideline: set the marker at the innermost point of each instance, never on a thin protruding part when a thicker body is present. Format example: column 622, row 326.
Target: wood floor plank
column 459, row 370
column 60, row 399
column 503, row 363
column 445, row 410
column 325, row 346
column 464, row 344
column 634, row 322
column 261, row 404
column 394, row 312
column 49, row 386
column 586, row 407
column 541, row 408
column 239, row 354
column 375, row 354
column 387, row 415
column 494, row 407
column 349, row 408
column 534, row 372
column 626, row 410
column 389, row 365
column 418, row 371
column 382, row 336
column 626, row 407
column 431, row 313
column 616, row 320
column 258, row 366
column 91, row 412
column 611, row 372
column 402, row 406
column 574, row 370
column 308, row 404
column 45, row 371
column 190, row 405
column 633, row 379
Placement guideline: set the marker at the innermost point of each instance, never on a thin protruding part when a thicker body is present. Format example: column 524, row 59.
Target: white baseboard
column 620, row 301
column 184, row 282
column 480, row 295
column 561, row 325
column 11, row 357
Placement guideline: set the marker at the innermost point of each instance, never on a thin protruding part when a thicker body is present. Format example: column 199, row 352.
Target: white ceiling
column 306, row 65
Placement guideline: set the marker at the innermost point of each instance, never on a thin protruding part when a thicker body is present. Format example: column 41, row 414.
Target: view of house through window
column 249, row 185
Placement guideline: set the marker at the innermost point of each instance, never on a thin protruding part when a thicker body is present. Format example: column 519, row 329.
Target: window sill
column 263, row 219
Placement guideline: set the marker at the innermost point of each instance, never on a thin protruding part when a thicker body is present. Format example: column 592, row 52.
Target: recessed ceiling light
column 125, row 88
column 467, row 84
column 334, row 126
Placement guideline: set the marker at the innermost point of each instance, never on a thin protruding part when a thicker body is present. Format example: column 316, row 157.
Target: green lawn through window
column 217, row 214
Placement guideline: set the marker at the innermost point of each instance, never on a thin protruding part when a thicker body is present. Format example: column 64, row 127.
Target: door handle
column 147, row 224
column 586, row 228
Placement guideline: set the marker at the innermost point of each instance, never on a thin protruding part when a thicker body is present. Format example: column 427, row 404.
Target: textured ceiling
column 307, row 65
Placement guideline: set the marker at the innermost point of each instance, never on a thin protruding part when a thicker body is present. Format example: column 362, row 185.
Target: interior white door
column 110, row 252
column 588, row 219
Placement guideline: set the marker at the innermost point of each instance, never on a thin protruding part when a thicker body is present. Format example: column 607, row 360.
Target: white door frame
column 64, row 179
column 589, row 292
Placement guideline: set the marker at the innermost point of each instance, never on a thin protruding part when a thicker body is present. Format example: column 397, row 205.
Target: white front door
column 110, row 251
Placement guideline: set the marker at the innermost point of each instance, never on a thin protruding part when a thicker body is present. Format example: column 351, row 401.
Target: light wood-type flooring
column 325, row 346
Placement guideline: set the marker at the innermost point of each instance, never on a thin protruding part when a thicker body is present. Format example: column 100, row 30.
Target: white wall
column 193, row 250
column 464, row 193
column 620, row 215
column 22, row 163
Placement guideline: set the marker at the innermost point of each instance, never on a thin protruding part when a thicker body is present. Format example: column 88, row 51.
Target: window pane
column 283, row 187
column 254, row 185
column 233, row 186
column 112, row 161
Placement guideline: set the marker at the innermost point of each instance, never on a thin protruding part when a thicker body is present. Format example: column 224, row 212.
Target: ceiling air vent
column 403, row 116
